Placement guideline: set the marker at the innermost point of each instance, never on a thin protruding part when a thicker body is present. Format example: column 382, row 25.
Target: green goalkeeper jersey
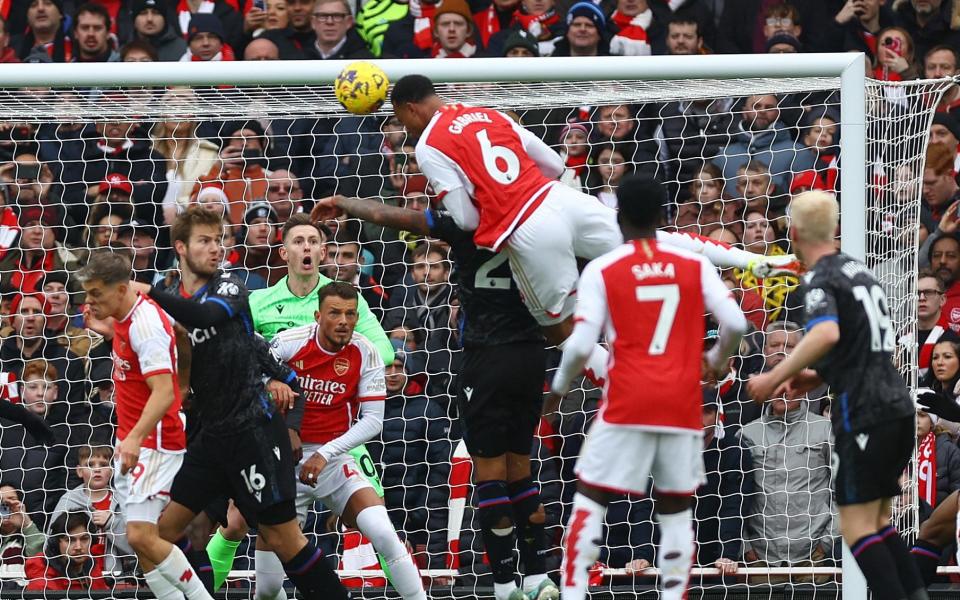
column 276, row 308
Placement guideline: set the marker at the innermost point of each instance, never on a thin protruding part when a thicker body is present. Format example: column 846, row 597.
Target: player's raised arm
column 447, row 181
column 726, row 256
column 590, row 317
column 733, row 325
column 373, row 211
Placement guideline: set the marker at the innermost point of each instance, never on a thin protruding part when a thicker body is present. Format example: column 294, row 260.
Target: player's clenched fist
column 310, row 470
column 326, row 209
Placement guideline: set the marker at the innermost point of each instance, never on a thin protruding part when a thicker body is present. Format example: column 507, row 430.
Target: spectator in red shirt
column 37, row 251
column 7, row 54
column 67, row 563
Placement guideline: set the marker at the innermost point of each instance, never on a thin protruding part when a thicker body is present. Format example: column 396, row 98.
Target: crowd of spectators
column 732, row 164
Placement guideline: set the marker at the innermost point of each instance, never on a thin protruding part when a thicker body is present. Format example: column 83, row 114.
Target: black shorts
column 500, row 397
column 868, row 464
column 255, row 467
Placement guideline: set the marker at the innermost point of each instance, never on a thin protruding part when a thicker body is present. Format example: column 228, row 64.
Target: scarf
column 225, row 54
column 488, row 23
column 109, row 150
column 422, row 23
column 634, row 28
column 577, row 163
column 9, row 229
column 927, row 469
column 465, row 51
column 539, row 26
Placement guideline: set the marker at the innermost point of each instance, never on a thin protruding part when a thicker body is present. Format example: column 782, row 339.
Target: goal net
column 83, row 167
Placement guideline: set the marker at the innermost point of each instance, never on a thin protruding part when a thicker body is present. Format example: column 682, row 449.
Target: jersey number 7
column 669, row 297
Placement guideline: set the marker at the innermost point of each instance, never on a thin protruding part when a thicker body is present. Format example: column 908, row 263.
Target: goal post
column 882, row 129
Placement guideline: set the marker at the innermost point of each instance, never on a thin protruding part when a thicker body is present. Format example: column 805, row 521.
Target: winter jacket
column 935, row 32
column 17, row 547
column 47, row 571
column 199, row 159
column 948, row 467
column 721, row 503
column 353, row 48
column 414, row 455
column 40, row 471
column 691, row 132
column 793, row 500
column 115, row 532
column 772, row 146
column 169, row 46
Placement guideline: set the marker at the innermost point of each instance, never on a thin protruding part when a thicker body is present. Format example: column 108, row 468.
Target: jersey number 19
column 874, row 303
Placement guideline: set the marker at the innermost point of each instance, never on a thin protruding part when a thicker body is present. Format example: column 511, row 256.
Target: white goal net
column 85, row 167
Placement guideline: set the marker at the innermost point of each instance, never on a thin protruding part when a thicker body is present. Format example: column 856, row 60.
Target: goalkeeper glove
column 938, row 404
column 774, row 266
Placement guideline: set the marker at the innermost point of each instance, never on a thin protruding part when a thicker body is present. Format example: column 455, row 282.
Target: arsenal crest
column 955, row 314
column 341, row 365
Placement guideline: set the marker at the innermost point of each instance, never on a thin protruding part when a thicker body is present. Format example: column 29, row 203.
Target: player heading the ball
column 499, row 180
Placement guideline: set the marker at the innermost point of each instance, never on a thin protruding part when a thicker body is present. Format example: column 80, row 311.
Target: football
column 361, row 87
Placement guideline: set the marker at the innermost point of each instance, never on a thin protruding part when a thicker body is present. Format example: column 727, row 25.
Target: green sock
column 221, row 552
column 369, row 470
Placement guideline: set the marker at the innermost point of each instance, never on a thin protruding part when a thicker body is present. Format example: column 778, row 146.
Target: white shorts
column 338, row 480
column 543, row 250
column 621, row 459
column 144, row 491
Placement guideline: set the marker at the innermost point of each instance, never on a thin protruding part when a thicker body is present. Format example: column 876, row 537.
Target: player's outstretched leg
column 366, row 509
column 858, row 524
column 935, row 534
column 164, row 565
column 303, row 562
column 581, row 547
column 269, row 574
column 675, row 556
column 530, row 518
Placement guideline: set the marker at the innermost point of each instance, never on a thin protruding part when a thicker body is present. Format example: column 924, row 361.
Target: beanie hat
column 572, row 127
column 259, row 210
column 139, row 6
column 205, row 23
column 521, row 38
column 457, row 7
column 213, row 189
column 948, row 121
column 784, row 38
column 116, row 181
column 589, row 10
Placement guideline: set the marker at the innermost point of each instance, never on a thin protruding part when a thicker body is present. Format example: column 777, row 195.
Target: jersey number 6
column 669, row 297
column 492, row 155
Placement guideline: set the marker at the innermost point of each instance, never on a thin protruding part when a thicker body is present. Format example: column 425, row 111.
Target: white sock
column 502, row 591
column 179, row 572
column 161, row 588
column 583, row 536
column 374, row 523
column 532, row 582
column 270, row 576
column 675, row 555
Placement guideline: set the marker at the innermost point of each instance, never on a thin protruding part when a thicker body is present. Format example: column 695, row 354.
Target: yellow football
column 361, row 87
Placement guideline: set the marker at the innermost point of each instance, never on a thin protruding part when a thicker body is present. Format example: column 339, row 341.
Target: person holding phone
column 857, row 26
column 895, row 55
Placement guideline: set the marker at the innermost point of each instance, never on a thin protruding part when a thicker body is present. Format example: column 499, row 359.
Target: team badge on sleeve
column 227, row 288
column 814, row 298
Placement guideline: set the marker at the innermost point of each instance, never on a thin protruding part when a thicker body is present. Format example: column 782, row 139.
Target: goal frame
column 850, row 68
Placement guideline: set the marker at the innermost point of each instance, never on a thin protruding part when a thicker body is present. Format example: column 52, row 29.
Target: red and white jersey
column 485, row 152
column 144, row 345
column 334, row 383
column 650, row 301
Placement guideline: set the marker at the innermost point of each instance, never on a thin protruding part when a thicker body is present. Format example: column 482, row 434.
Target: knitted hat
column 949, row 122
column 205, row 23
column 572, row 127
column 457, row 7
column 213, row 189
column 589, row 10
column 259, row 210
column 44, row 215
column 521, row 38
column 139, row 6
column 18, row 299
column 116, row 181
column 784, row 38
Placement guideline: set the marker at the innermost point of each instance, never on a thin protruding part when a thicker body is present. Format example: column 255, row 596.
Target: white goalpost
column 685, row 112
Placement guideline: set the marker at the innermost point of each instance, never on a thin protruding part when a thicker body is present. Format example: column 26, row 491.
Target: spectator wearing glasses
column 931, row 299
column 284, row 194
column 337, row 38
